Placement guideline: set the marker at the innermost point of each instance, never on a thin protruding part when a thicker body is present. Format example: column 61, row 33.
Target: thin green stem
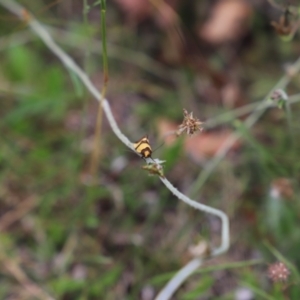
column 281, row 258
column 193, row 267
column 97, row 140
column 104, row 44
column 231, row 265
column 289, row 118
column 86, row 10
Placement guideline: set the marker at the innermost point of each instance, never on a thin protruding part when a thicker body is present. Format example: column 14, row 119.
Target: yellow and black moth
column 143, row 147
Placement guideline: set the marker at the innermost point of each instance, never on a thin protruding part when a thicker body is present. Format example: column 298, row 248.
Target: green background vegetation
column 128, row 234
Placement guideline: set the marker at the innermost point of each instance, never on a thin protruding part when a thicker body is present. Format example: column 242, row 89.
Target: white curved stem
column 178, row 279
column 17, row 9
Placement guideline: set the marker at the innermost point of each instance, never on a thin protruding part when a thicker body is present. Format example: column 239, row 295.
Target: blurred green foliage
column 112, row 239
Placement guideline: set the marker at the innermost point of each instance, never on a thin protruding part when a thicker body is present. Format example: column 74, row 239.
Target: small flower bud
column 278, row 272
column 279, row 97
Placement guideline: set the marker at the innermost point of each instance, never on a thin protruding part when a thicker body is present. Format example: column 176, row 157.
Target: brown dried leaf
column 228, row 21
column 207, row 144
column 199, row 146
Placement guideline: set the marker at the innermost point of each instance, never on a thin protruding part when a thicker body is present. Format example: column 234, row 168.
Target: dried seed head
column 190, row 125
column 154, row 169
column 286, row 24
column 278, row 272
column 281, row 27
column 279, row 97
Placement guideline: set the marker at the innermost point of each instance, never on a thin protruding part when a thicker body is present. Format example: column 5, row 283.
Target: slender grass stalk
column 191, row 267
column 97, row 138
column 104, row 44
column 288, row 111
column 12, row 266
column 282, row 258
column 204, row 270
column 232, row 265
column 86, row 54
column 234, row 137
